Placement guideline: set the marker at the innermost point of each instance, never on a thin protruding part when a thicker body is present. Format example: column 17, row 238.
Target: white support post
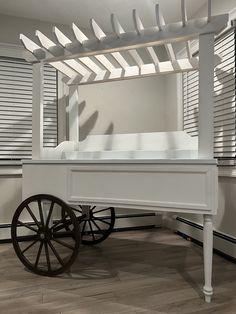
column 206, row 90
column 61, row 110
column 73, row 112
column 37, row 111
column 207, row 251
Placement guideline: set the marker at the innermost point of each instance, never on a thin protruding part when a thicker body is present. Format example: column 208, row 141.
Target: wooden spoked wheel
column 45, row 242
column 97, row 225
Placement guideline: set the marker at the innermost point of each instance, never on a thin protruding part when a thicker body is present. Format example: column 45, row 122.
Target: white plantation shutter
column 224, row 99
column 16, row 108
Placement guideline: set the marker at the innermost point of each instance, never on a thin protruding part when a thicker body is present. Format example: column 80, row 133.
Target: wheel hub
column 86, row 212
column 44, row 234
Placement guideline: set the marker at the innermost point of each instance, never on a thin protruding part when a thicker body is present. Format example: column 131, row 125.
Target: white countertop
column 125, row 161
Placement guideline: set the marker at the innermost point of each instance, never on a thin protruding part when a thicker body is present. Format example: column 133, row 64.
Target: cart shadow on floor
column 124, row 259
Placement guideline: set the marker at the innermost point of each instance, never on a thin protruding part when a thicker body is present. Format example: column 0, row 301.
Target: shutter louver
column 16, row 108
column 224, row 99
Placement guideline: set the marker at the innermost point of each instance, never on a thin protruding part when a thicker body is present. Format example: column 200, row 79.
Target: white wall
column 12, row 26
column 132, row 106
column 218, row 7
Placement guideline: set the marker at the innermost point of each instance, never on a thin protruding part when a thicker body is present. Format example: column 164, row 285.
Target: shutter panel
column 16, row 108
column 224, row 99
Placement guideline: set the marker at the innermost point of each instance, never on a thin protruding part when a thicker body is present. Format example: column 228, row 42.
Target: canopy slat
column 158, row 17
column 139, row 28
column 184, row 20
column 79, row 35
column 161, row 23
column 97, row 31
column 116, row 26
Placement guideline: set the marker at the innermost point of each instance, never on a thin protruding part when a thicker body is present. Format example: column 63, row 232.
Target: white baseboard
column 223, row 243
column 136, row 221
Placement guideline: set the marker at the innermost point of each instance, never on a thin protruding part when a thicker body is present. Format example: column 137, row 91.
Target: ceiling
column 80, row 11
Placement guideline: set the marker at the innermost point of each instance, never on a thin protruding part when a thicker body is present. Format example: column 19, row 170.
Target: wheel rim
column 41, row 237
column 98, row 226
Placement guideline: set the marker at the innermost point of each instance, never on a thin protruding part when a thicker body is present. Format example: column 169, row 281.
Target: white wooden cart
column 80, row 183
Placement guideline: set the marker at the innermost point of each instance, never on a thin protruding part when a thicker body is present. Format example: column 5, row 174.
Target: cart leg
column 207, row 251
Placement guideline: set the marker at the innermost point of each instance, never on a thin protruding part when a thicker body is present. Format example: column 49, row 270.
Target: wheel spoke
column 41, row 212
column 32, row 215
column 91, row 230
column 26, row 225
column 76, row 210
column 100, row 219
column 49, row 214
column 82, row 232
column 64, row 244
column 67, row 223
column 27, row 238
column 101, row 210
column 93, row 208
column 59, row 221
column 62, row 234
column 38, row 255
column 47, row 256
column 29, row 246
column 96, row 225
column 56, row 253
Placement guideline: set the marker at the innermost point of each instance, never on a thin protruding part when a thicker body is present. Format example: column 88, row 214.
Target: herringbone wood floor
column 149, row 271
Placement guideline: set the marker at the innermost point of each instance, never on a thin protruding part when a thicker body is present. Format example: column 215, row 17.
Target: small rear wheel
column 98, row 226
column 46, row 243
column 96, row 222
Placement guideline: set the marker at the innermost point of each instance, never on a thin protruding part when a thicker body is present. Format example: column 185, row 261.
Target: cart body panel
column 180, row 186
